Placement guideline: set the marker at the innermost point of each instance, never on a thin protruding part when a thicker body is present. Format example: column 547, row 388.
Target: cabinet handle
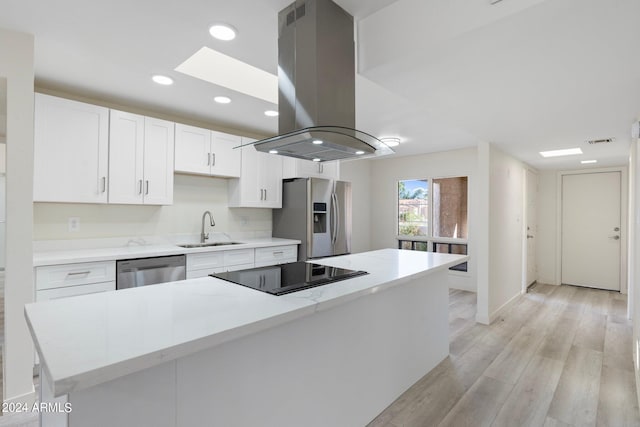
column 147, row 185
column 278, row 253
column 208, row 159
column 213, row 159
column 78, row 273
column 265, row 194
column 140, row 186
column 104, row 184
column 261, row 194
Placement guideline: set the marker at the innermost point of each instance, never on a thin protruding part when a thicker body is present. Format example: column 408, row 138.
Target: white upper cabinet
column 260, row 184
column 299, row 168
column 71, row 151
column 159, row 138
column 140, row 159
column 205, row 152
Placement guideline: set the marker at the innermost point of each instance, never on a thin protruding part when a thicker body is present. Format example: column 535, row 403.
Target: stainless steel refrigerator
column 318, row 213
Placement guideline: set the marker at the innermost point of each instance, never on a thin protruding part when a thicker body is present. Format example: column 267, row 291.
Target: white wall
column 385, row 173
column 634, row 255
column 506, row 202
column 546, row 246
column 358, row 172
column 16, row 51
column 192, row 196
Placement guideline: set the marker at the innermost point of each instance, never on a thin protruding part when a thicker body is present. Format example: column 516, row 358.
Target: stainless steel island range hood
column 316, row 86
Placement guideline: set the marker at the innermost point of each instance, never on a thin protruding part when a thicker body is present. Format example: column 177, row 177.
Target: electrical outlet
column 74, row 224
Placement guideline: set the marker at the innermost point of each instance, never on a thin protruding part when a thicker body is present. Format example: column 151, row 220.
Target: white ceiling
column 526, row 75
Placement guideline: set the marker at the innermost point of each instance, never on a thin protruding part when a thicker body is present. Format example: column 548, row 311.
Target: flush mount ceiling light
column 359, row 153
column 271, row 113
column 222, row 99
column 317, row 141
column 162, row 80
column 316, row 159
column 558, row 153
column 224, row 32
column 588, row 162
column 391, row 141
column 273, row 151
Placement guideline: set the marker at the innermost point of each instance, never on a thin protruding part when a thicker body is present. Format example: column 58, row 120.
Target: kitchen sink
column 204, row 245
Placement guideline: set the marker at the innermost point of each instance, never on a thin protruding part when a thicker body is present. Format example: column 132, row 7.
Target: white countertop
column 90, row 339
column 70, row 256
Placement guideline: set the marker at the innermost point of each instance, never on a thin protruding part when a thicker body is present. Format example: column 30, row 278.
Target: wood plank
column 617, row 346
column 552, row 422
column 529, row 401
column 479, row 405
column 512, row 361
column 617, row 405
column 557, row 342
column 591, row 331
column 575, row 400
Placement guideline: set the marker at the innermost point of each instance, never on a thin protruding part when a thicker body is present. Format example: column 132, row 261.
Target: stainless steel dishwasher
column 131, row 273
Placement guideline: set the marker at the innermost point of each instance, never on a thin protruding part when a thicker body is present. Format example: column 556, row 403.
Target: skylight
column 558, row 153
column 222, row 70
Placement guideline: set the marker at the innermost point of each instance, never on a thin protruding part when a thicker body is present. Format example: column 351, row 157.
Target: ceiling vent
column 601, row 141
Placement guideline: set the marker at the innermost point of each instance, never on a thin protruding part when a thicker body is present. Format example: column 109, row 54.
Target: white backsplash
column 192, row 196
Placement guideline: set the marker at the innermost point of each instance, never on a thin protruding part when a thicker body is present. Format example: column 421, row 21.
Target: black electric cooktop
column 286, row 278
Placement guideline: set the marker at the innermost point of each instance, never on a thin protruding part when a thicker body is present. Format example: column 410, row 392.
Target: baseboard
column 27, row 398
column 493, row 316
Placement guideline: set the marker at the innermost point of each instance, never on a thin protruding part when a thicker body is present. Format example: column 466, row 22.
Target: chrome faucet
column 204, row 236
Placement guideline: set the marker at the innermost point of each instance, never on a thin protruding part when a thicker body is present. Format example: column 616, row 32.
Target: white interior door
column 591, row 224
column 532, row 227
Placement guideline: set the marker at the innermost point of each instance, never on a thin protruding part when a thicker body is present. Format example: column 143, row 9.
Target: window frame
column 430, row 240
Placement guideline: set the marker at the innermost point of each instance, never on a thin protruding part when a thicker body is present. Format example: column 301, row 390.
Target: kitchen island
column 208, row 352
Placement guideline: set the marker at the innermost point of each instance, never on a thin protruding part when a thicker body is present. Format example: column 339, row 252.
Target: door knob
column 615, row 237
column 616, row 229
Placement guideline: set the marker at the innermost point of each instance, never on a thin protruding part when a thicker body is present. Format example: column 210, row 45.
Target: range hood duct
column 316, row 86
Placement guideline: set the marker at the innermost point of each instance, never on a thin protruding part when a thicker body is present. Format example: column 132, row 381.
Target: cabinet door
column 260, row 183
column 298, row 168
column 225, row 160
column 193, row 150
column 246, row 191
column 270, row 180
column 70, row 151
column 158, row 161
column 126, row 151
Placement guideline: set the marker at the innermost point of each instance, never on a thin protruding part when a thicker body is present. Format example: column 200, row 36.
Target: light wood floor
column 560, row 356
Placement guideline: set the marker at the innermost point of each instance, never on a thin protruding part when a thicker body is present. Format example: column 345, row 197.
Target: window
column 432, row 215
column 413, row 207
column 450, row 207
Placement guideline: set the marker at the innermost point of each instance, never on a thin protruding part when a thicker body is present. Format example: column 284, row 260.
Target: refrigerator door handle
column 334, row 217
column 337, row 222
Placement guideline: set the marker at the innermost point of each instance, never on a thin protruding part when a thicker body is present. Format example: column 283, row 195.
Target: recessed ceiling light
column 558, row 153
column 222, row 99
column 317, row 141
column 273, row 151
column 271, row 113
column 391, row 141
column 316, row 159
column 162, row 80
column 223, row 32
column 587, row 162
column 359, row 153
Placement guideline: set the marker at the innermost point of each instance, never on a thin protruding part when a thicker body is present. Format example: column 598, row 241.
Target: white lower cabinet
column 70, row 280
column 276, row 255
column 203, row 264
column 74, row 275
